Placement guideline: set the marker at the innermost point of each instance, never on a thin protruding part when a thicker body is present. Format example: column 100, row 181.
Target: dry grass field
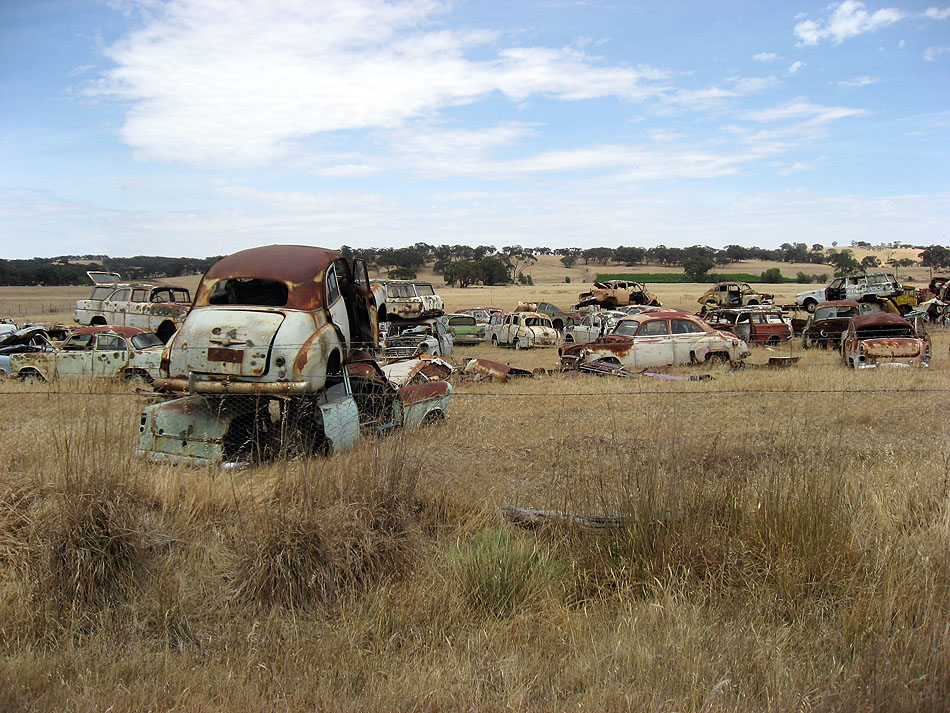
column 786, row 546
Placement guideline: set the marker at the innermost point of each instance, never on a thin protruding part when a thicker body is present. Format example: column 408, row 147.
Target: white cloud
column 801, row 108
column 765, row 57
column 239, row 83
column 794, row 67
column 846, row 20
column 932, row 53
column 936, row 13
column 858, row 82
column 750, row 85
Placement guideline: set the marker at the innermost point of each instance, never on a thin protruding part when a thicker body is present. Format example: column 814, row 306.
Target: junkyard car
column 617, row 293
column 275, row 319
column 109, row 351
column 236, row 430
column 852, row 287
column 829, row 321
column 430, row 336
column 559, row 318
column 148, row 305
column 522, row 330
column 874, row 340
column 656, row 339
column 464, row 329
column 593, row 325
column 734, row 294
column 409, row 300
column 27, row 340
column 756, row 325
column 482, row 315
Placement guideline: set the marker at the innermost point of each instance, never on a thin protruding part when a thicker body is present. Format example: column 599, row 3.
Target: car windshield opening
column 145, row 341
column 425, row 290
column 400, row 291
column 249, row 291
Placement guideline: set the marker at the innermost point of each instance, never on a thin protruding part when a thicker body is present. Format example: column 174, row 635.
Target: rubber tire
column 810, row 306
column 568, row 339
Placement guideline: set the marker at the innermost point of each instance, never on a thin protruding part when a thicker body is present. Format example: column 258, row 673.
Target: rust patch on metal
column 493, row 370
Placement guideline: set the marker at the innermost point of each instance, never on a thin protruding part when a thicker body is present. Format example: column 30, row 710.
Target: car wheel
column 717, row 357
column 753, row 303
column 136, row 378
column 810, row 306
column 773, row 342
column 568, row 339
column 494, row 340
column 517, row 344
column 30, row 377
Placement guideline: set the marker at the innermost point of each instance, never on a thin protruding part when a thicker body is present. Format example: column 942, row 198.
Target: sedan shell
column 656, row 339
column 101, row 351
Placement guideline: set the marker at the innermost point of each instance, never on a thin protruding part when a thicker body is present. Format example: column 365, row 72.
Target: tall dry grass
column 778, row 549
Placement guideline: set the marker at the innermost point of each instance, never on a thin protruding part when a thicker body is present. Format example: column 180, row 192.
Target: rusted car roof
column 118, row 329
column 879, row 319
column 838, row 303
column 284, row 263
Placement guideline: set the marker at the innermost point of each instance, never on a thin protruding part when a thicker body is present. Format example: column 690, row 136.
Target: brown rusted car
column 617, row 293
column 884, row 339
column 753, row 325
column 274, row 319
column 830, row 320
column 734, row 294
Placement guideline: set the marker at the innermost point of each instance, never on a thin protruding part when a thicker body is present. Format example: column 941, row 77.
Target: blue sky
column 200, row 127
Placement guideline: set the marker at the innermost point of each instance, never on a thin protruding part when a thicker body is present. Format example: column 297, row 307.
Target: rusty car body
column 272, row 320
column 522, row 330
column 561, row 319
column 94, row 352
column 734, row 294
column 464, row 328
column 611, row 294
column 830, row 320
column 855, row 287
column 884, row 339
column 405, row 340
column 151, row 306
column 754, row 325
column 407, row 300
column 657, row 339
column 204, row 430
column 593, row 325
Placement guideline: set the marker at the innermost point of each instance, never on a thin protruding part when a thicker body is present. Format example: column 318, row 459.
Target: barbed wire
column 510, row 394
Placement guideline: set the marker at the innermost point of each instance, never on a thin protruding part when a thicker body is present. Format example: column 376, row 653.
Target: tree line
column 464, row 265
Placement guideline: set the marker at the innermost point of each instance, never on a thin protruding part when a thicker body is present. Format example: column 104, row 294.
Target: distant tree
column 494, row 271
column 697, row 266
column 402, row 273
column 462, row 273
column 935, row 256
column 844, row 263
column 773, row 275
column 569, row 260
column 869, row 262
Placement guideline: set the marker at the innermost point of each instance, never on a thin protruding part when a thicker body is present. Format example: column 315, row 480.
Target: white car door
column 336, row 305
column 684, row 337
column 653, row 345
